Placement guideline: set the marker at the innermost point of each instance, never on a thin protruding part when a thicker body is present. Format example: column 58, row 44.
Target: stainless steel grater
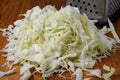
column 97, row 9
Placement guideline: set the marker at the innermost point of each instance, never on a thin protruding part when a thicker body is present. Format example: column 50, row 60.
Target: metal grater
column 97, row 9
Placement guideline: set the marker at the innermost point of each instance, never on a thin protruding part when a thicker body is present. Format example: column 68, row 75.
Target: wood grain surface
column 10, row 11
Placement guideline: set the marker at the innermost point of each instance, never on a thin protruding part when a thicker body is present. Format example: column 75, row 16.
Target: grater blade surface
column 96, row 9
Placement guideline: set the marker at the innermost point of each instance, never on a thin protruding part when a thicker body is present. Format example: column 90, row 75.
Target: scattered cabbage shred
column 51, row 40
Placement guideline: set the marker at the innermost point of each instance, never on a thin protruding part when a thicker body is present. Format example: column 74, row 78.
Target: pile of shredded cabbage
column 51, row 40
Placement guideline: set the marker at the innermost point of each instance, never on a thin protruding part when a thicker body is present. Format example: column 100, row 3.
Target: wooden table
column 9, row 12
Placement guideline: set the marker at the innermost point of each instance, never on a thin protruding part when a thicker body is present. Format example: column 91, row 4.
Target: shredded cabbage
column 105, row 67
column 107, row 76
column 7, row 72
column 26, row 75
column 48, row 39
column 79, row 74
column 96, row 73
column 86, row 79
column 25, row 67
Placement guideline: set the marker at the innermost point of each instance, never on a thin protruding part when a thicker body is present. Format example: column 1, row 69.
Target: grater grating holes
column 85, row 9
column 96, row 12
column 91, row 11
column 88, row 7
column 83, row 2
column 89, row 4
column 70, row 4
column 78, row 0
column 80, row 7
column 94, row 5
column 75, row 5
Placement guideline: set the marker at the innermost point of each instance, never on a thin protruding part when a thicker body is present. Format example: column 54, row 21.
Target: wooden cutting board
column 9, row 12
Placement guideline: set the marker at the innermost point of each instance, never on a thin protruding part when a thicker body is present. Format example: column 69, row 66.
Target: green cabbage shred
column 52, row 40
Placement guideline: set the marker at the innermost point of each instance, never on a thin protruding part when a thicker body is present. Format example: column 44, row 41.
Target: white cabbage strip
column 51, row 40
